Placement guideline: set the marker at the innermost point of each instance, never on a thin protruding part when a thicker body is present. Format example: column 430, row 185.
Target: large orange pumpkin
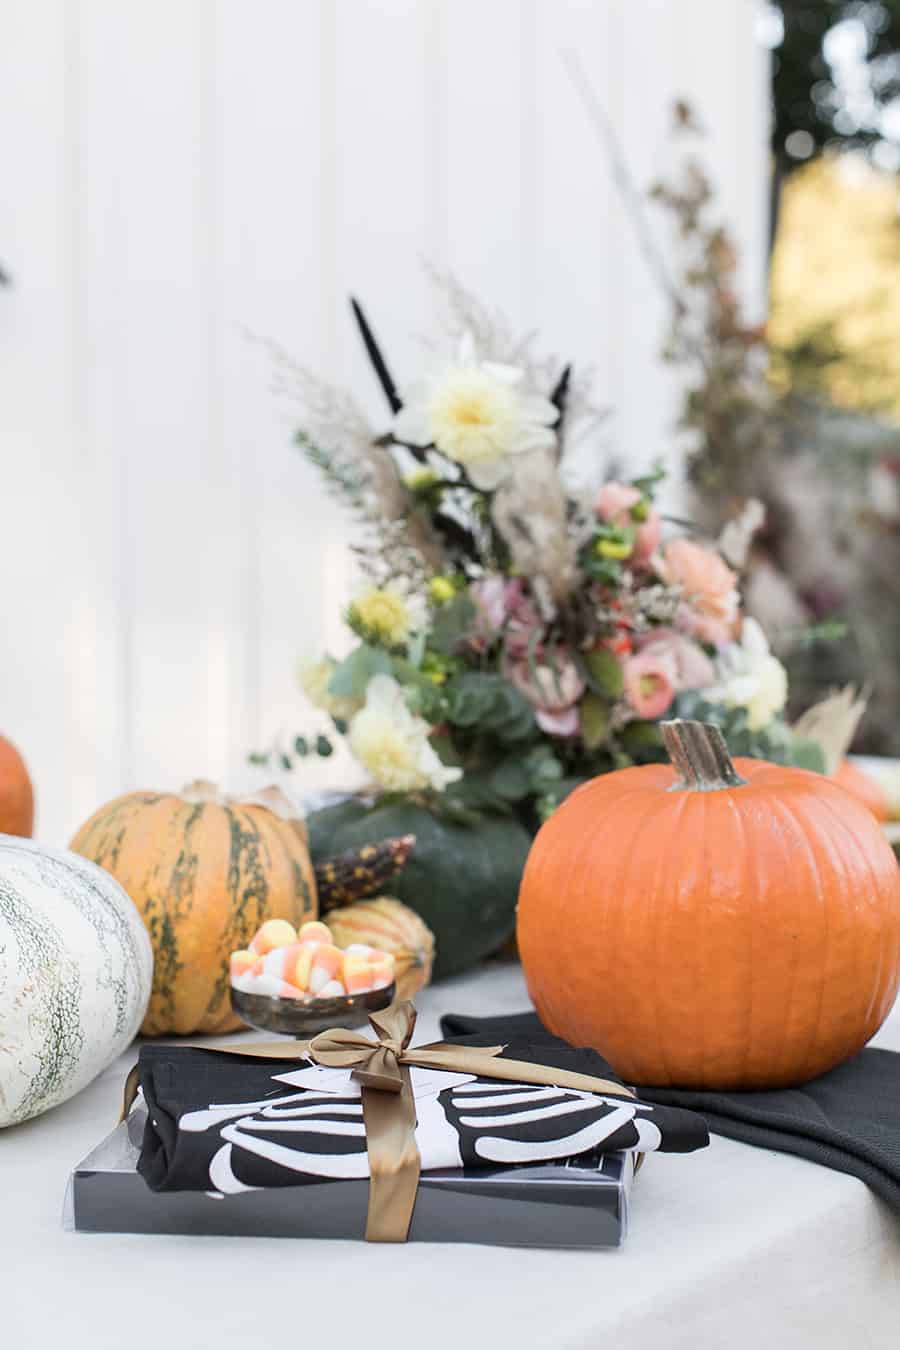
column 16, row 795
column 204, row 871
column 719, row 926
column 862, row 785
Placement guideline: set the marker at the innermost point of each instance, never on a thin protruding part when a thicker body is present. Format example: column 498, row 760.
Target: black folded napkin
column 847, row 1119
column 225, row 1123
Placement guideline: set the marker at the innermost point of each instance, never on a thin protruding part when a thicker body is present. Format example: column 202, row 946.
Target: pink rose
column 552, row 691
column 492, row 596
column 691, row 666
column 565, row 723
column 649, row 684
column 613, row 506
column 502, row 606
column 709, row 586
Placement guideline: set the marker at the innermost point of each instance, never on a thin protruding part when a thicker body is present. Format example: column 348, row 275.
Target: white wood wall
column 174, row 173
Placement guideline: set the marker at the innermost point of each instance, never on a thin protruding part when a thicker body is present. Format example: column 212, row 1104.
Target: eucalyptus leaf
column 350, row 678
column 807, row 754
column 594, row 720
column 642, row 740
column 451, row 624
column 510, row 780
column 604, row 674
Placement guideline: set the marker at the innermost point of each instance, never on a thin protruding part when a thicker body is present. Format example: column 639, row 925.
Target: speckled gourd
column 75, row 974
column 205, row 871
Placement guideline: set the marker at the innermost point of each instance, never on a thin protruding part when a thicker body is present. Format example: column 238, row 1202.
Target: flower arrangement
column 520, row 627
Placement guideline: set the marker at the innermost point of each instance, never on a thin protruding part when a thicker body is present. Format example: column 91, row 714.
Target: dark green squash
column 462, row 879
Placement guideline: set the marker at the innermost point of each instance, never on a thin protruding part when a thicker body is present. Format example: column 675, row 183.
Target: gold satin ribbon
column 382, row 1069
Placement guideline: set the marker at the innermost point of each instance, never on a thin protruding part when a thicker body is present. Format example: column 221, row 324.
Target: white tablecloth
column 728, row 1248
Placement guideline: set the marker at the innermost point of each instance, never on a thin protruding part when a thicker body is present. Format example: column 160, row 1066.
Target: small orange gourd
column 712, row 925
column 16, row 794
column 392, row 927
column 862, row 785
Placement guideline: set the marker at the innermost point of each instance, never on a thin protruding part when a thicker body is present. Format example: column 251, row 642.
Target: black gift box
column 582, row 1202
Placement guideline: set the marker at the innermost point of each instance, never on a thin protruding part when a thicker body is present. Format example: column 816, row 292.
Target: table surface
column 728, row 1247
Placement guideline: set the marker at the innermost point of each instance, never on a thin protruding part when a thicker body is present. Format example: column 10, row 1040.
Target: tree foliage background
column 828, row 100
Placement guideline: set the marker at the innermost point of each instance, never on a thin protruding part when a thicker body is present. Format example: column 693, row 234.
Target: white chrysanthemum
column 476, row 414
column 392, row 744
column 749, row 676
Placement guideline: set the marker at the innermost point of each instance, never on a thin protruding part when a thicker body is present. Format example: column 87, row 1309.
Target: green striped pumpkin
column 204, row 871
column 75, row 974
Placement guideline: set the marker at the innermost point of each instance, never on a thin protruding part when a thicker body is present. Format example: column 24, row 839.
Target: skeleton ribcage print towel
column 225, row 1124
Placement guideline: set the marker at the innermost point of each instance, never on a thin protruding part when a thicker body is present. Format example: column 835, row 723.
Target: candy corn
column 327, row 965
column 315, row 932
column 283, row 963
column 274, row 933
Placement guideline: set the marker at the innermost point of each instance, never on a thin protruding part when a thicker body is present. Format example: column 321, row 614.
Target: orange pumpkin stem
column 699, row 753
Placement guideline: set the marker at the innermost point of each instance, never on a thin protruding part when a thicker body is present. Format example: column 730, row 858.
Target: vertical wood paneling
column 186, row 175
column 97, row 351
column 646, row 405
column 40, row 529
column 381, row 208
column 577, row 301
column 276, row 222
column 483, row 149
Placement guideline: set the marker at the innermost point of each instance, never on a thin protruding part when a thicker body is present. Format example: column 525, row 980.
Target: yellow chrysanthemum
column 384, row 614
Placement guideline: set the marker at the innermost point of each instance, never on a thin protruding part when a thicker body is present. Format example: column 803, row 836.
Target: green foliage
column 350, row 678
column 806, row 754
column 605, row 570
column 301, row 747
column 649, row 482
column 642, row 742
column 775, row 742
column 594, row 720
column 485, row 701
column 556, row 794
column 451, row 624
column 345, row 482
column 807, row 96
column 603, row 672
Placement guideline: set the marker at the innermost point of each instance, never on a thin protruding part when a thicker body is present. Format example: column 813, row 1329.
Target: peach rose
column 649, row 684
column 691, row 666
column 709, row 586
column 613, row 506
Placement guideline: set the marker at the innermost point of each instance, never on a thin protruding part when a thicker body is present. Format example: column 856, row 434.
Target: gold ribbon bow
column 389, row 1111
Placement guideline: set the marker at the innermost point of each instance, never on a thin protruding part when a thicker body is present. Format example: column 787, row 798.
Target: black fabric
column 223, row 1123
column 848, row 1119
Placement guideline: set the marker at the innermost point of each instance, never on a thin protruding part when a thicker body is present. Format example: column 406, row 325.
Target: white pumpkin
column 76, row 969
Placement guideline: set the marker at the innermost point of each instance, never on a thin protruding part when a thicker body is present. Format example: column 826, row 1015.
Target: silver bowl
column 290, row 1017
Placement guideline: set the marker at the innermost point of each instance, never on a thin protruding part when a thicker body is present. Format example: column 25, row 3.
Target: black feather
column 374, row 353
column 558, row 397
